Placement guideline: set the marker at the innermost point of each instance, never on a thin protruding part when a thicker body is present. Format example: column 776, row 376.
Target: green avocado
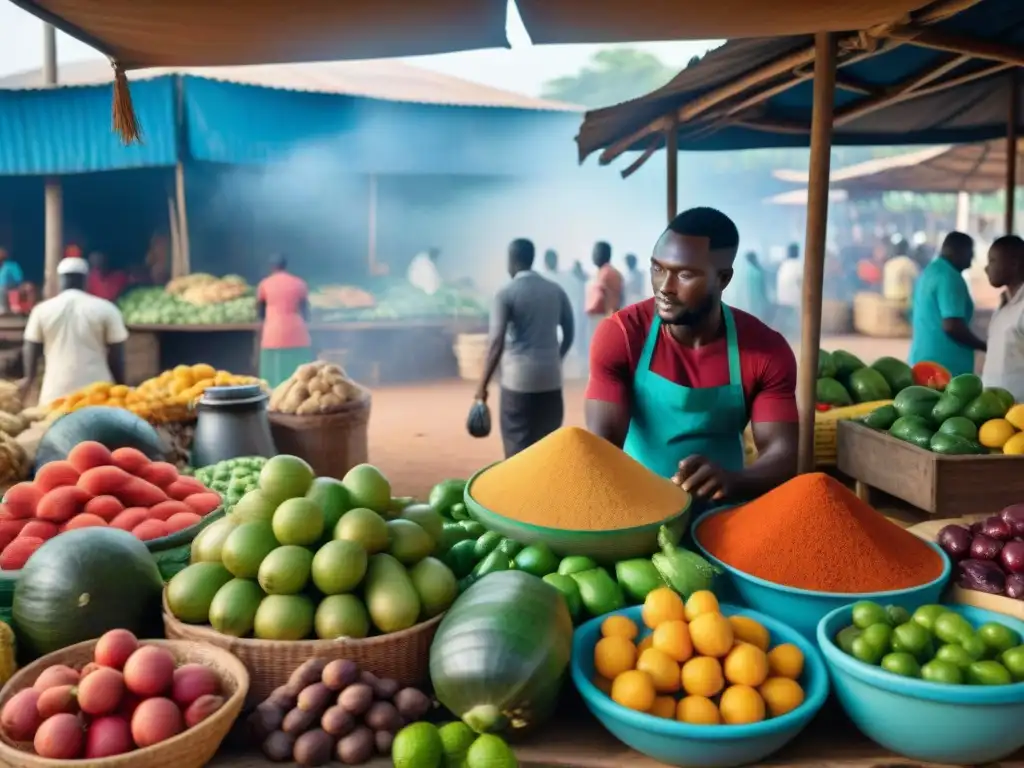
column 826, row 368
column 845, row 364
column 867, row 384
column 882, row 417
column 912, row 429
column 966, row 386
column 1004, row 395
column 986, row 406
column 831, row 392
column 946, row 407
column 960, row 427
column 896, row 372
column 951, row 445
column 916, row 401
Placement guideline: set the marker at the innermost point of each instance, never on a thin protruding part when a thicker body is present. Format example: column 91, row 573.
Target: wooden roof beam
column 951, row 43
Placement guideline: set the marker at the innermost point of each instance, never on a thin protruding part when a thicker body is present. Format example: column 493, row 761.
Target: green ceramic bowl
column 606, row 547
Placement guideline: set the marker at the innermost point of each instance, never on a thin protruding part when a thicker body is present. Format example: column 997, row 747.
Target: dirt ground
column 418, row 436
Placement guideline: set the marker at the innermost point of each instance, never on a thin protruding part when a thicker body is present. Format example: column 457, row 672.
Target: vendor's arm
column 495, row 343
column 954, row 308
column 610, row 386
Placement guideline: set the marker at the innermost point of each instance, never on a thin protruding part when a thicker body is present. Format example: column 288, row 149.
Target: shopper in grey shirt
column 525, row 319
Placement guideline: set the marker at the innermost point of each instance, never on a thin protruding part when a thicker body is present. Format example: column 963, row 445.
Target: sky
column 523, row 68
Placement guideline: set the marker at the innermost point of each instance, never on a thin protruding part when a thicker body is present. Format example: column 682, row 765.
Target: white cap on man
column 72, row 265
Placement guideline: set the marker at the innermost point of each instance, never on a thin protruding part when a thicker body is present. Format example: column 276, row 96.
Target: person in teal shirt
column 942, row 310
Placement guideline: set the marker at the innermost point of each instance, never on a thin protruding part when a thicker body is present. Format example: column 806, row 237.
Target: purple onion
column 1015, row 586
column 997, row 528
column 955, row 541
column 976, row 528
column 982, row 576
column 985, row 547
column 1014, row 515
column 1012, row 557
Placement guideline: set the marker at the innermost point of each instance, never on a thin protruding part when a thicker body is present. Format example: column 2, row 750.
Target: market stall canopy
column 963, row 168
column 942, row 76
column 798, row 197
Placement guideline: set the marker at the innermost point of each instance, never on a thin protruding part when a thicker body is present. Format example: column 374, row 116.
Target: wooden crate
column 946, row 486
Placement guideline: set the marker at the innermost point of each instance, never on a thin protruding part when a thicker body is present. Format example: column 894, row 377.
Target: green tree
column 612, row 76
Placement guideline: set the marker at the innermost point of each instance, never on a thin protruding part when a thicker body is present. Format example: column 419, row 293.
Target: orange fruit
column 781, row 694
column 746, row 664
column 664, row 706
column 634, row 689
column 662, row 668
column 741, row 705
column 643, row 645
column 662, row 604
column 701, row 601
column 619, row 626
column 702, row 676
column 786, row 660
column 750, row 631
column 673, row 638
column 697, row 710
column 711, row 634
column 613, row 656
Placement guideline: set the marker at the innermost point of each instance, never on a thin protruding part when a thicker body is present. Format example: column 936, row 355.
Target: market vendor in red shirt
column 102, row 281
column 674, row 380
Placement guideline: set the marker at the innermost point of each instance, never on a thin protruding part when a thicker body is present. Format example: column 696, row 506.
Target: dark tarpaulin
column 975, row 110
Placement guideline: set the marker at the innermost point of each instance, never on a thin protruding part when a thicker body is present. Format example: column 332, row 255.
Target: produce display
column 202, row 289
column 812, row 532
column 196, row 299
column 97, row 487
column 332, row 709
column 301, row 556
column 934, row 644
column 695, row 665
column 396, row 300
column 315, row 388
column 989, row 554
column 424, row 745
column 232, row 478
column 340, row 297
column 167, row 397
column 132, row 695
column 576, row 481
column 112, row 427
column 962, row 418
column 843, row 379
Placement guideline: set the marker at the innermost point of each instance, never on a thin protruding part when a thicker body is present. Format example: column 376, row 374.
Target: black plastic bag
column 479, row 422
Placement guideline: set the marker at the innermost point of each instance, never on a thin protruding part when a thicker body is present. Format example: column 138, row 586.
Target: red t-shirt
column 283, row 326
column 108, row 286
column 767, row 363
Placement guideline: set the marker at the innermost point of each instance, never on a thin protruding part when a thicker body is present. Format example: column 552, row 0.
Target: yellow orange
column 995, row 433
column 634, row 689
column 664, row 706
column 619, row 626
column 701, row 601
column 697, row 710
column 746, row 664
column 1016, row 416
column 781, row 694
column 662, row 604
column 643, row 645
column 662, row 668
column 613, row 656
column 702, row 676
column 711, row 634
column 673, row 638
column 750, row 631
column 741, row 705
column 786, row 660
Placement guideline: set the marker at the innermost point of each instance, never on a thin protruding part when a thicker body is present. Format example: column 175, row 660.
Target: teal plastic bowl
column 700, row 746
column 802, row 609
column 933, row 722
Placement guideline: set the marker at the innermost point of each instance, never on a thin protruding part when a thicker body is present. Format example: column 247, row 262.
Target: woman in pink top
column 283, row 306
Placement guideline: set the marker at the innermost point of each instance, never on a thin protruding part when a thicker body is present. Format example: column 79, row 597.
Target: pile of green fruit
column 424, row 745
column 843, row 379
column 150, row 305
column 301, row 556
column 945, row 422
column 934, row 644
column 232, row 478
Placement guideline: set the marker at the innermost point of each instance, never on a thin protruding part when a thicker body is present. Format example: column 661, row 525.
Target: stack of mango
column 162, row 399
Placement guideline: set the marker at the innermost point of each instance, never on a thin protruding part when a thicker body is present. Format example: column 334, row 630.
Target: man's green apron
column 670, row 422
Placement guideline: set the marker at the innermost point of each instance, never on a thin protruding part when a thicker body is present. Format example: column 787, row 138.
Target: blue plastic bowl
column 699, row 746
column 802, row 609
column 933, row 722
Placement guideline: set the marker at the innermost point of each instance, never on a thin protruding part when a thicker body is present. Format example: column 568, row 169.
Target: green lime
column 489, row 751
column 1013, row 660
column 988, row 673
column 845, row 638
column 417, row 746
column 456, row 739
column 866, row 613
column 951, row 627
column 897, row 614
column 902, row 664
column 997, row 637
column 955, row 654
column 879, row 637
column 974, row 646
column 938, row 671
column 914, row 639
column 927, row 614
column 862, row 650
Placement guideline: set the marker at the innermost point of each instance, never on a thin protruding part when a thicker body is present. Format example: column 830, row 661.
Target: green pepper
column 461, row 558
column 637, row 578
column 537, row 559
column 459, row 511
column 487, row 544
column 494, row 562
column 575, row 564
column 599, row 592
column 510, row 547
column 475, row 529
column 684, row 571
column 452, row 534
column 445, row 495
column 567, row 586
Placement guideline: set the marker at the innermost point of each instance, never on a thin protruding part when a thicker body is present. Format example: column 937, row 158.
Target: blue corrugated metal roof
column 67, row 130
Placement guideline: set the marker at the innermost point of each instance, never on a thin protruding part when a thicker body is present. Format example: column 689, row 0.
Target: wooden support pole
column 182, row 265
column 53, row 199
column 1013, row 119
column 814, row 246
column 672, row 166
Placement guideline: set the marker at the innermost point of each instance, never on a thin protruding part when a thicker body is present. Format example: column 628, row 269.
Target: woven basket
column 836, row 317
column 403, row 656
column 192, row 749
column 874, row 315
column 332, row 443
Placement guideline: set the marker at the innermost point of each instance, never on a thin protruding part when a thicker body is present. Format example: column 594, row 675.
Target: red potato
column 59, row 738
column 40, row 529
column 192, row 681
column 54, row 701
column 131, row 460
column 21, row 500
column 159, row 473
column 61, row 504
column 17, row 553
column 107, row 507
column 104, row 481
column 20, row 715
column 58, row 674
column 115, row 647
column 184, row 487
column 165, row 509
column 12, row 527
column 130, row 518
column 100, row 693
column 140, row 493
column 89, row 454
column 56, row 474
column 149, row 671
column 148, row 530
column 182, row 520
column 156, row 720
column 84, row 520
column 204, row 503
column 108, row 736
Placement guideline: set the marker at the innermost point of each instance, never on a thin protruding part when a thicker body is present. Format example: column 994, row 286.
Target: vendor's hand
column 702, row 478
column 481, row 394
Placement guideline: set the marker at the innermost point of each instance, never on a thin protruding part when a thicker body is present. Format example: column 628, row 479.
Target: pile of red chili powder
column 814, row 533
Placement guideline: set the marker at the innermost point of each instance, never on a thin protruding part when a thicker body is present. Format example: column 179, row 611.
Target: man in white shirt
column 899, row 275
column 1004, row 358
column 81, row 336
column 423, row 273
column 788, row 291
